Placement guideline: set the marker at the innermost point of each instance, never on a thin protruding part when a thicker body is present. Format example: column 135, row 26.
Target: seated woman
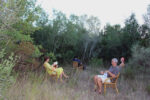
column 54, row 70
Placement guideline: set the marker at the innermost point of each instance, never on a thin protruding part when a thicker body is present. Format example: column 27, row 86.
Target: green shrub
column 140, row 58
column 18, row 36
column 37, row 52
column 129, row 73
column 52, row 57
column 68, row 55
column 26, row 48
column 148, row 89
column 6, row 66
column 95, row 62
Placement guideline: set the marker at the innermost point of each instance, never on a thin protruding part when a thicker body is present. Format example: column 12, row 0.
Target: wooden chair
column 111, row 84
column 75, row 65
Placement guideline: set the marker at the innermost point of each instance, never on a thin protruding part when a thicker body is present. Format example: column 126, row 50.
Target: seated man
column 112, row 72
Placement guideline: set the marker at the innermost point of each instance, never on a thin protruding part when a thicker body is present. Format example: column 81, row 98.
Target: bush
column 52, row 57
column 96, row 62
column 148, row 89
column 37, row 52
column 26, row 48
column 6, row 66
column 129, row 73
column 18, row 36
column 140, row 58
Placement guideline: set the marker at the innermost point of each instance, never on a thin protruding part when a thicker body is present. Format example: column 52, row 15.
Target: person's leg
column 95, row 82
column 95, row 79
column 64, row 75
column 99, row 82
column 61, row 78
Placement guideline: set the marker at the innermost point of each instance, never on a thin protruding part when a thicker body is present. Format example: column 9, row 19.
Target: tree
column 145, row 29
column 111, row 44
column 131, row 34
column 29, row 14
column 147, row 17
column 93, row 25
column 8, row 15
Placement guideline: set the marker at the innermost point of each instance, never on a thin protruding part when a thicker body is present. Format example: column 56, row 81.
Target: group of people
column 98, row 79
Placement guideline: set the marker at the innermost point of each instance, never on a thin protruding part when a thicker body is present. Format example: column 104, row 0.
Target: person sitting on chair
column 77, row 60
column 112, row 72
column 54, row 70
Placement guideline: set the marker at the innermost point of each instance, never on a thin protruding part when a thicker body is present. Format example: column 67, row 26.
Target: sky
column 108, row 11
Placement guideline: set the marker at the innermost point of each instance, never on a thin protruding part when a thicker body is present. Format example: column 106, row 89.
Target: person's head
column 46, row 59
column 114, row 62
column 122, row 59
column 75, row 57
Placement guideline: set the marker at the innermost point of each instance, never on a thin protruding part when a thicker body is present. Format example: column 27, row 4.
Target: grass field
column 79, row 86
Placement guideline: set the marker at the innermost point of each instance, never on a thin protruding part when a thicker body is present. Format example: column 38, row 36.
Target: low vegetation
column 78, row 87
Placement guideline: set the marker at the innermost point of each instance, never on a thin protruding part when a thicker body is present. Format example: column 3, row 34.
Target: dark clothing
column 79, row 63
column 84, row 67
column 114, row 70
column 77, row 60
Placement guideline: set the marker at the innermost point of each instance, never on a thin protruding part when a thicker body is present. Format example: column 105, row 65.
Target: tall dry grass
column 78, row 87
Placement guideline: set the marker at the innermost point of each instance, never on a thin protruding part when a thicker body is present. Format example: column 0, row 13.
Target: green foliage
column 140, row 58
column 139, row 62
column 51, row 56
column 37, row 52
column 129, row 73
column 67, row 37
column 26, row 48
column 81, row 36
column 6, row 43
column 111, row 43
column 147, row 16
column 2, row 53
column 148, row 89
column 28, row 14
column 21, row 37
column 19, row 17
column 6, row 66
column 95, row 62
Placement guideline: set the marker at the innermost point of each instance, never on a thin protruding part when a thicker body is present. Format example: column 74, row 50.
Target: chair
column 111, row 84
column 75, row 65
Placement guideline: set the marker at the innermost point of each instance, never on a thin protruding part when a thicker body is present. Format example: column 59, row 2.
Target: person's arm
column 51, row 67
column 111, row 74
